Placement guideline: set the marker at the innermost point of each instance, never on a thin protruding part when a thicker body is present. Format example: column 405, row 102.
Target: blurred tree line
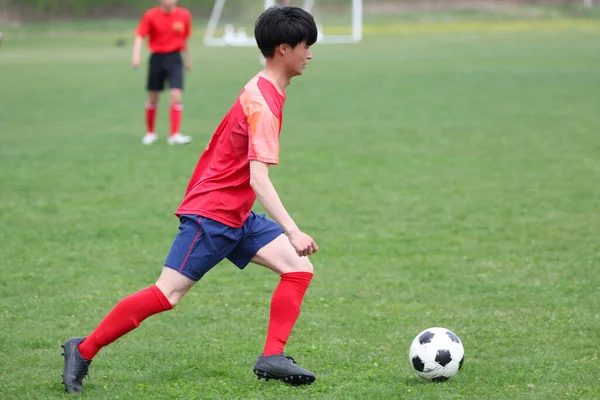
column 48, row 9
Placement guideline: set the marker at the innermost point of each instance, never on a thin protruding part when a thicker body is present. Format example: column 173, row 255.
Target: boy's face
column 295, row 59
column 168, row 3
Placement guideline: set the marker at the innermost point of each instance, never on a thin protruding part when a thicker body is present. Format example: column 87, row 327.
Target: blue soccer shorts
column 202, row 243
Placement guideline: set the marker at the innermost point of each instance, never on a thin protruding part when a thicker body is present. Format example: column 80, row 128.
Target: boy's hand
column 135, row 62
column 304, row 244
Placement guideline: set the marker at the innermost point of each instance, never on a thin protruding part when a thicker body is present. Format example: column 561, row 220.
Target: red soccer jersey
column 220, row 185
column 168, row 32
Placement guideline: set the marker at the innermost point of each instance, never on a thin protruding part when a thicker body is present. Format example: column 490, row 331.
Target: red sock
column 176, row 110
column 123, row 318
column 285, row 308
column 150, row 117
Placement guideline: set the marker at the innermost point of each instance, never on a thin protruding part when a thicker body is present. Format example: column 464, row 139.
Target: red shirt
column 168, row 31
column 220, row 188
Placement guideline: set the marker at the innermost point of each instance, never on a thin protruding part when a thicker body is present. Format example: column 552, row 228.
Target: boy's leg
column 154, row 85
column 127, row 315
column 272, row 249
column 295, row 275
column 190, row 257
column 151, row 107
column 175, row 99
column 175, row 76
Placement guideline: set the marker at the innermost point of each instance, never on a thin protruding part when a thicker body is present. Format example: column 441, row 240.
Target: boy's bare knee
column 153, row 98
column 173, row 285
column 175, row 96
column 303, row 265
column 173, row 295
column 174, row 300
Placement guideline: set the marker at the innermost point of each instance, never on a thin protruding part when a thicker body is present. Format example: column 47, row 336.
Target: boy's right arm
column 141, row 32
column 137, row 51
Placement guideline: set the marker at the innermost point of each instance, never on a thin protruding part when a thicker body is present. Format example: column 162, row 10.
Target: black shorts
column 165, row 66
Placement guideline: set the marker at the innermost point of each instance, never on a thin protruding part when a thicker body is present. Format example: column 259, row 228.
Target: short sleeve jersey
column 220, row 188
column 167, row 32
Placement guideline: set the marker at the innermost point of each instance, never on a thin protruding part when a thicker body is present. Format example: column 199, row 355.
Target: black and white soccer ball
column 436, row 354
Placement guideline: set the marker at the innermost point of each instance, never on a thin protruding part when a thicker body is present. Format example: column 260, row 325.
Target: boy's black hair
column 280, row 24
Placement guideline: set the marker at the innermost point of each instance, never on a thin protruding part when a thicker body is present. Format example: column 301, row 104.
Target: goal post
column 338, row 22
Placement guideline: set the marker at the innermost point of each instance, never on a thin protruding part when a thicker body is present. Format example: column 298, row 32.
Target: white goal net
column 232, row 21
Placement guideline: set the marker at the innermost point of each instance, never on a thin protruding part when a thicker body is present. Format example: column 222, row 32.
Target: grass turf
column 449, row 177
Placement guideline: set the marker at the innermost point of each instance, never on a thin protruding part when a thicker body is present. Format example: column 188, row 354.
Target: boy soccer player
column 216, row 220
column 168, row 28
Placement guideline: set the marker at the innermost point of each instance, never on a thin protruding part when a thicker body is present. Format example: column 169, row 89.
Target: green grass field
column 451, row 178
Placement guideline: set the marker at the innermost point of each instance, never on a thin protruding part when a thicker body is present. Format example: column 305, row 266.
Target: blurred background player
column 168, row 28
column 216, row 217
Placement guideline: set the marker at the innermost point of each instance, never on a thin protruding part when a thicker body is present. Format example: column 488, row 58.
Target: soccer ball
column 436, row 354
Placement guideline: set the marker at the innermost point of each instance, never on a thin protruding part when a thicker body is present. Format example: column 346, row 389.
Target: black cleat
column 282, row 368
column 76, row 367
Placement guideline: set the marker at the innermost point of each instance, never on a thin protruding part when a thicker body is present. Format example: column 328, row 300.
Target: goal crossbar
column 231, row 38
